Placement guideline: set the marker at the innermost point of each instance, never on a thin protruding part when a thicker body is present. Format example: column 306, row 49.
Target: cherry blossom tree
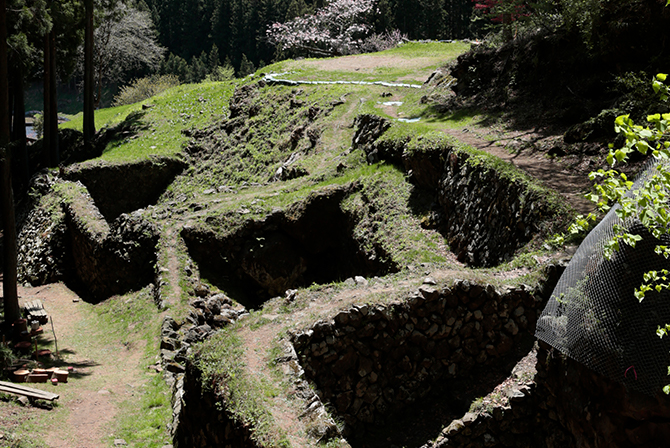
column 336, row 29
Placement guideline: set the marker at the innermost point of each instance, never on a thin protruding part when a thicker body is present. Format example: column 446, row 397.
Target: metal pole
column 54, row 332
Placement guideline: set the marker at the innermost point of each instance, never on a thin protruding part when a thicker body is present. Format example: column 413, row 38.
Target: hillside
column 332, row 257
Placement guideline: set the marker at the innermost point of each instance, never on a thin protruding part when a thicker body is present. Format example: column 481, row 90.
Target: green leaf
column 620, row 155
column 662, row 76
column 642, row 147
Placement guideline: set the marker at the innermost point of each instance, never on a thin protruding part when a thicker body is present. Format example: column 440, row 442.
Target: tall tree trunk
column 55, row 151
column 50, row 154
column 89, row 109
column 46, row 113
column 20, row 151
column 10, row 102
column 9, row 289
column 53, row 98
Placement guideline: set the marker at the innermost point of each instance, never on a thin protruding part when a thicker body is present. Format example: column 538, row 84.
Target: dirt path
column 572, row 186
column 103, row 375
column 370, row 63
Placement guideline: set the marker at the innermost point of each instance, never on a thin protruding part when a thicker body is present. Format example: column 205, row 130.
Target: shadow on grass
column 58, row 359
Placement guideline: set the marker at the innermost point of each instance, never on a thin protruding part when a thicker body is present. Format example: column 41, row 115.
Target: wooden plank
column 21, row 387
column 17, row 389
column 9, row 390
column 39, row 396
column 35, row 310
column 34, row 306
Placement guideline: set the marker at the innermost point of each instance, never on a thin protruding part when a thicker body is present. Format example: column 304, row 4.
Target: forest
column 237, row 27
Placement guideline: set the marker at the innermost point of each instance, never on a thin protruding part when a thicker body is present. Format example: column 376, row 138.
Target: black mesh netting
column 594, row 317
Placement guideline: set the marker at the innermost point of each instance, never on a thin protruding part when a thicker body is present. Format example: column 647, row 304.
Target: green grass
column 135, row 318
column 144, row 423
column 189, row 106
column 418, row 60
column 103, row 117
column 440, row 50
column 246, row 396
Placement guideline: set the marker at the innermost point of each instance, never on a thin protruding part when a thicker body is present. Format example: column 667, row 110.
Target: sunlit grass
column 103, row 117
column 408, row 63
column 188, row 106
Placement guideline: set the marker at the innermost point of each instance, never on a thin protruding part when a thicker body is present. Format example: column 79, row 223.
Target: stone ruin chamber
column 369, row 364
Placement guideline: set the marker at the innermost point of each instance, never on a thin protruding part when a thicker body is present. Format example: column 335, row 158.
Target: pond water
column 30, row 132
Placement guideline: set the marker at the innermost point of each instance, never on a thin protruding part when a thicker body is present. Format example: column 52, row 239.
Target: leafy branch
column 647, row 203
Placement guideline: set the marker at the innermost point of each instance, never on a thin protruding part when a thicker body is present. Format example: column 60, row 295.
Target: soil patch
column 554, row 175
column 102, row 377
column 368, row 63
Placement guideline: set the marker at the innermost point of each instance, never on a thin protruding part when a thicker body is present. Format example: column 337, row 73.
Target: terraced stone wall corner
column 108, row 259
column 484, row 214
column 370, row 361
column 527, row 419
column 124, row 188
column 64, row 236
column 566, row 405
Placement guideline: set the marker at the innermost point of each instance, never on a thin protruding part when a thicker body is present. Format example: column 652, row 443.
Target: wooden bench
column 35, row 311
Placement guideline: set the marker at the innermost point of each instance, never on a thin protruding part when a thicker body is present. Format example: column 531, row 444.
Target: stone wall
column 566, row 405
column 108, row 259
column 527, row 419
column 42, row 247
column 486, row 217
column 372, row 360
column 484, row 213
column 123, row 188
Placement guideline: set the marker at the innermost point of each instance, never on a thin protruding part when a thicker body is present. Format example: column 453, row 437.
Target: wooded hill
column 237, row 27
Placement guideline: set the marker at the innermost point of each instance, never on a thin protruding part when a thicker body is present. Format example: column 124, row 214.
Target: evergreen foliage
column 237, row 27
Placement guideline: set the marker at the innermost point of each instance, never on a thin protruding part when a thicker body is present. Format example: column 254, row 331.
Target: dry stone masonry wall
column 485, row 215
column 372, row 360
column 42, row 237
column 201, row 423
column 118, row 259
column 124, row 188
column 67, row 232
column 566, row 405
